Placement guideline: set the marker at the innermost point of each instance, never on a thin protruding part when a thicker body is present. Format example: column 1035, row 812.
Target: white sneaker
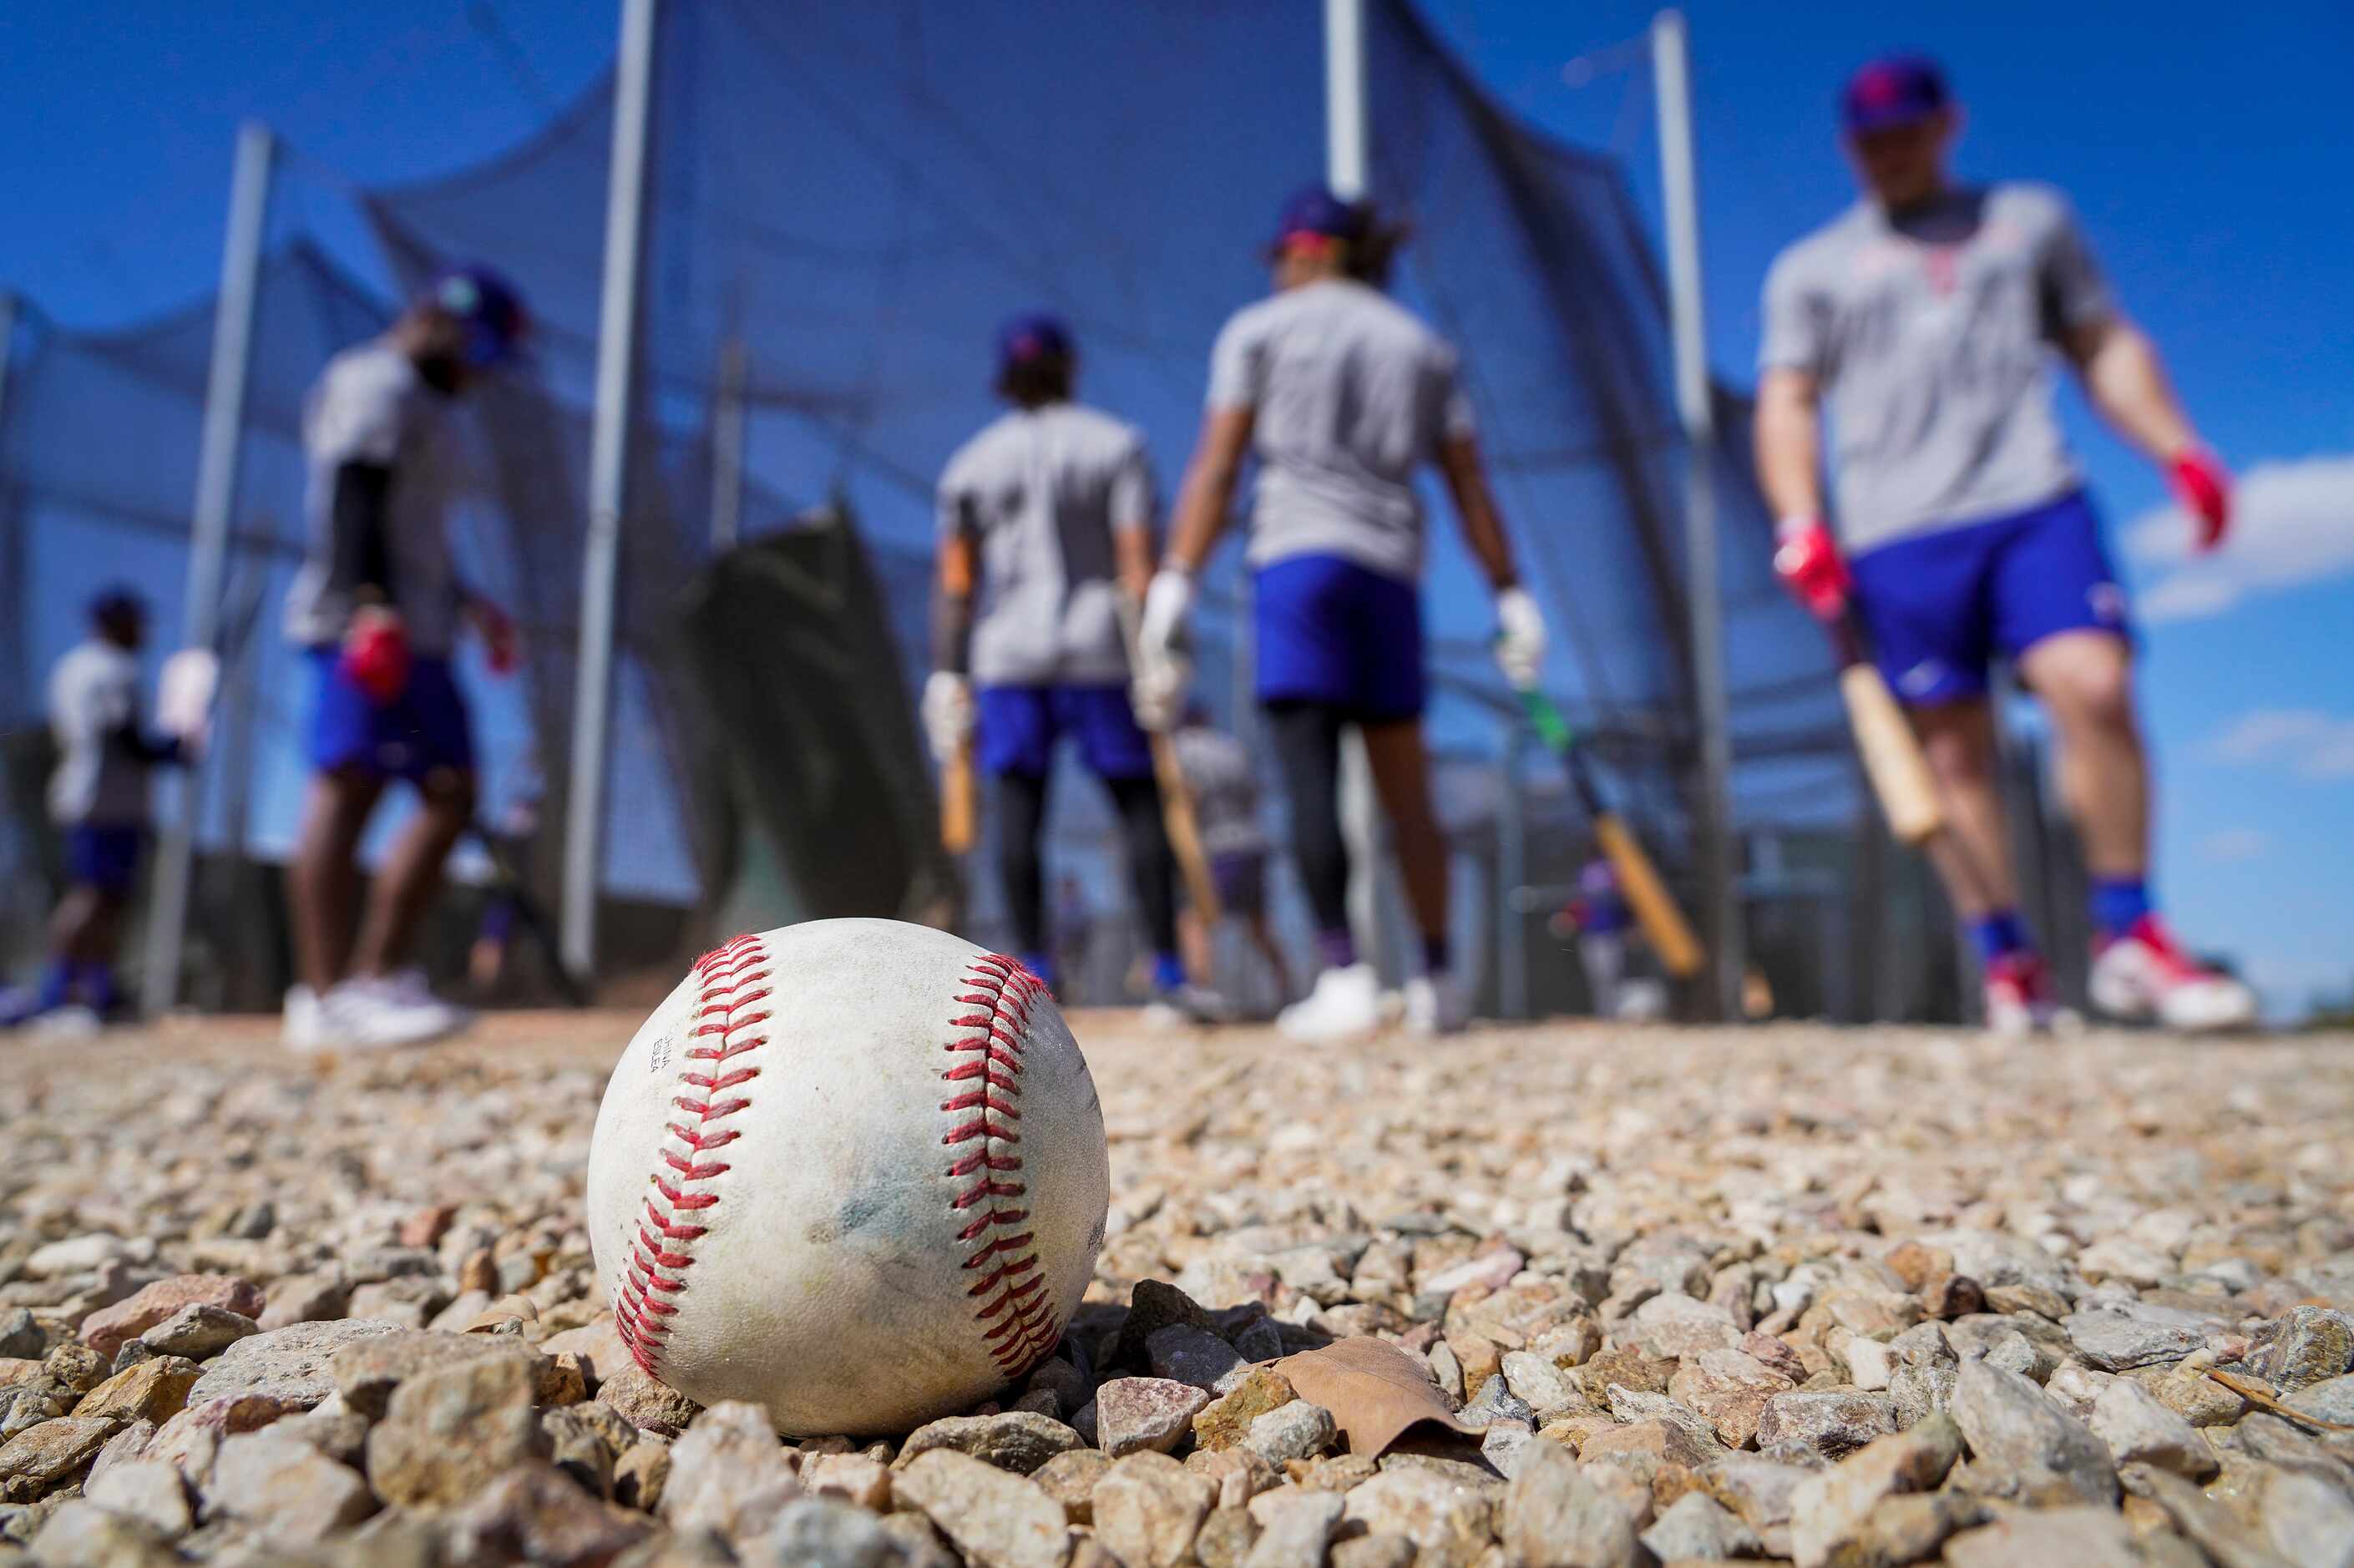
column 1346, row 1005
column 2145, row 977
column 1436, row 1005
column 303, row 1024
column 71, row 1022
column 409, row 988
column 393, row 1011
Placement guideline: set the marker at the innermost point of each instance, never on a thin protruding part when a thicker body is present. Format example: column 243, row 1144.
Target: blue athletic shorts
column 420, row 731
column 1018, row 727
column 1332, row 631
column 104, row 857
column 1940, row 606
column 1241, row 882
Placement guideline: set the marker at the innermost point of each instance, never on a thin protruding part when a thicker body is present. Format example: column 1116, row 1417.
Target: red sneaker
column 2145, row 977
column 2020, row 998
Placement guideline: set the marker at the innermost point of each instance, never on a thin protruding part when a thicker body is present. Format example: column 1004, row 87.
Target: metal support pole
column 1512, row 878
column 1346, row 154
column 217, row 477
column 15, row 652
column 609, row 449
column 729, row 413
column 1672, row 69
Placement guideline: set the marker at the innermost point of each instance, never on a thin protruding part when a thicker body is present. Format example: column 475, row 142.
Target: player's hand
column 1163, row 670
column 502, row 645
column 948, row 714
column 1807, row 560
column 1520, row 637
column 2204, row 489
column 376, row 652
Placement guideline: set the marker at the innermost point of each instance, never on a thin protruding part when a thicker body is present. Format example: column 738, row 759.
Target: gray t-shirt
column 371, row 407
column 1351, row 394
column 1043, row 490
column 1930, row 336
column 1224, row 788
column 102, row 778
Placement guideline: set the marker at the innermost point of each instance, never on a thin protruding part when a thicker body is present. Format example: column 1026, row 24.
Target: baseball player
column 1344, row 395
column 1225, row 787
column 98, row 798
column 1046, row 520
column 378, row 608
column 1924, row 317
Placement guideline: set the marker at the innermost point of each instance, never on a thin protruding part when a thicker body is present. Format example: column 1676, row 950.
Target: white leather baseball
column 851, row 1169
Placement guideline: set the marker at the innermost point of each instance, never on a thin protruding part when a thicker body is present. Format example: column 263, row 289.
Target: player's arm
column 955, row 569
column 1788, row 439
column 1133, row 505
column 2126, row 381
column 1475, row 508
column 1204, row 499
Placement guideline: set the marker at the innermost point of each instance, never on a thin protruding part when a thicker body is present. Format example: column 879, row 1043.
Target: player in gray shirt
column 1926, row 319
column 1345, row 396
column 97, row 799
column 1046, row 520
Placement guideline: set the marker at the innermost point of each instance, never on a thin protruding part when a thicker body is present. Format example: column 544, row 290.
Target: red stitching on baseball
column 1011, row 1289
column 732, row 977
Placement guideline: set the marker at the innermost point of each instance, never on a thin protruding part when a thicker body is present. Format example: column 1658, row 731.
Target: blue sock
column 1336, row 950
column 96, row 983
column 57, row 985
column 2119, row 903
column 1999, row 935
column 1168, row 971
column 1042, row 966
column 1435, row 955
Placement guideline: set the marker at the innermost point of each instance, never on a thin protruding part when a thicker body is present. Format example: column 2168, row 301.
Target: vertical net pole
column 216, row 476
column 1671, row 70
column 728, row 414
column 608, row 445
column 16, row 640
column 1511, row 892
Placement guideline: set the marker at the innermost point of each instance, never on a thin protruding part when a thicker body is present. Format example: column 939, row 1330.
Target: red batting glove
column 376, row 654
column 2204, row 489
column 1808, row 561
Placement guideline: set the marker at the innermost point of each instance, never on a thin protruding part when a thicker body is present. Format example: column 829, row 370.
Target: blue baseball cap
column 1315, row 210
column 1900, row 89
column 490, row 309
column 115, row 600
column 1030, row 337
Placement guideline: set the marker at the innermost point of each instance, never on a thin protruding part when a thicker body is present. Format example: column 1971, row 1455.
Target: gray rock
column 284, row 1489
column 1295, row 1527
column 1555, row 1517
column 2310, row 1345
column 81, row 1534
column 1373, row 1551
column 1501, row 1445
column 2135, row 1426
column 45, row 1457
column 147, row 1491
column 2074, row 1537
column 288, row 1364
column 1183, row 1353
column 2308, row 1520
column 1829, row 1423
column 365, row 1373
column 2330, row 1400
column 1137, row 1415
column 728, row 1474
column 2216, row 1530
column 1296, row 1430
column 1671, row 1326
column 1496, row 1402
column 997, row 1519
column 1761, row 1490
column 1631, row 1406
column 1729, row 1389
column 1698, row 1526
column 2017, row 1353
column 448, row 1432
column 1015, row 1440
column 1448, row 1519
column 1539, row 1384
column 2114, row 1342
column 1831, row 1512
column 531, row 1513
column 21, row 1339
column 823, row 1532
column 199, row 1331
column 2026, row 1444
column 1150, row 1511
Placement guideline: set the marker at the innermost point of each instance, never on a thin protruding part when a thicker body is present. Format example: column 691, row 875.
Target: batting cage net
column 843, row 203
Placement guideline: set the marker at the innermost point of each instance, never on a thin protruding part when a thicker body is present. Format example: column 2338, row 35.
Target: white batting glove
column 1163, row 669
column 948, row 714
column 1520, row 637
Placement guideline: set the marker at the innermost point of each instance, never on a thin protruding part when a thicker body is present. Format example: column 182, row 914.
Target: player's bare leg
column 323, row 883
column 1401, row 769
column 2085, row 682
column 411, row 875
column 1262, row 936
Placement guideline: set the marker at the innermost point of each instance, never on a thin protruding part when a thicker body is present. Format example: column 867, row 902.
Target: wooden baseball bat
column 1663, row 925
column 1883, row 737
column 956, row 807
column 1176, row 799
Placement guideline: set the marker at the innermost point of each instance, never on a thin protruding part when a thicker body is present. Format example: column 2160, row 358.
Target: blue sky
column 2205, row 148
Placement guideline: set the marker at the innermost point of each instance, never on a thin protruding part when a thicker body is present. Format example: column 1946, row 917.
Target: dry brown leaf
column 1374, row 1391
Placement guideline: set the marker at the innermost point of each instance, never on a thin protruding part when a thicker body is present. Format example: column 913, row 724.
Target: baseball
column 853, row 1170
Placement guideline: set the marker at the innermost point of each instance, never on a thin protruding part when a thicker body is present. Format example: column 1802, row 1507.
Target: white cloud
column 2233, row 845
column 2308, row 742
column 2292, row 524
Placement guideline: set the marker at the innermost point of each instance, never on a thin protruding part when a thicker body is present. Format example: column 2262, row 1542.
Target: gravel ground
column 1855, row 1296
